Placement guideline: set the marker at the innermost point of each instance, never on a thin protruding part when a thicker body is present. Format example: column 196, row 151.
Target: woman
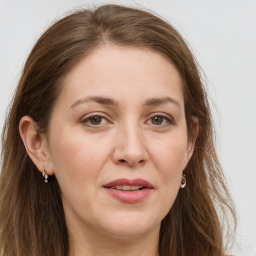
column 108, row 146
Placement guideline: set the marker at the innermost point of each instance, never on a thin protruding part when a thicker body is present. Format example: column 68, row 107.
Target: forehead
column 123, row 71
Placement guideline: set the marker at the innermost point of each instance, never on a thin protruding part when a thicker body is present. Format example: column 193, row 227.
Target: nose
column 130, row 147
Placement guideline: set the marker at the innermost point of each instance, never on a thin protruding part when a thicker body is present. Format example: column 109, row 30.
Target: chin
column 129, row 226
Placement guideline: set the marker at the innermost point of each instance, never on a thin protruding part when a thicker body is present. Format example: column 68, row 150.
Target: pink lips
column 129, row 196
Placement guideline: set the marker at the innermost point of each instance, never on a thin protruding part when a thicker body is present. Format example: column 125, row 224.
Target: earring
column 183, row 181
column 45, row 175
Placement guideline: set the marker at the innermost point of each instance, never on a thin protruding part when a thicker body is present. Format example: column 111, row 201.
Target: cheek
column 77, row 159
column 169, row 157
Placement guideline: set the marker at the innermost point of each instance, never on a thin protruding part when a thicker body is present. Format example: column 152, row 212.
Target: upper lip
column 129, row 182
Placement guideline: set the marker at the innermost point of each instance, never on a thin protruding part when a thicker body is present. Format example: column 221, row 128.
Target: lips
column 129, row 191
column 135, row 182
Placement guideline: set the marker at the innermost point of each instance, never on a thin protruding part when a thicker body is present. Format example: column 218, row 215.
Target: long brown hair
column 32, row 220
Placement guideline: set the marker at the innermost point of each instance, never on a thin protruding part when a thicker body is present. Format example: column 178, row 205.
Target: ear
column 192, row 141
column 36, row 144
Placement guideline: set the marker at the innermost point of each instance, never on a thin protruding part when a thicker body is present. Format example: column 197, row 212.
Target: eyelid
column 87, row 117
column 167, row 117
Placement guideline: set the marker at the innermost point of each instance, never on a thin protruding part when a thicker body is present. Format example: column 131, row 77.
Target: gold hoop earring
column 46, row 176
column 183, row 181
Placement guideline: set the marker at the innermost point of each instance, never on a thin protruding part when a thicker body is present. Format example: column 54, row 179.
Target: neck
column 99, row 244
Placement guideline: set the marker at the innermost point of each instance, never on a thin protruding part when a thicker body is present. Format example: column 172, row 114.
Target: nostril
column 131, row 163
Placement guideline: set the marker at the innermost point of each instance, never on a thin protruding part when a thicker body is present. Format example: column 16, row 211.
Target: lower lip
column 129, row 196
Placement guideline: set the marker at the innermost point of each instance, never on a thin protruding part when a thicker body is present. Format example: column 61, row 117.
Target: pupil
column 96, row 120
column 157, row 120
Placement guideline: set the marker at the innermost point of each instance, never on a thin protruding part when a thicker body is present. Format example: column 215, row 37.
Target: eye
column 94, row 120
column 157, row 120
column 160, row 120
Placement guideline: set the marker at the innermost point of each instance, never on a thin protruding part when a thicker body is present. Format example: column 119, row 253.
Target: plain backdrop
column 222, row 35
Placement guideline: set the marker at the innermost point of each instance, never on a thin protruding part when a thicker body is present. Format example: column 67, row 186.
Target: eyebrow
column 112, row 102
column 100, row 100
column 161, row 101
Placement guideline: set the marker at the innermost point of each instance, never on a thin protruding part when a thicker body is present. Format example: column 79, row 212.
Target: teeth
column 127, row 187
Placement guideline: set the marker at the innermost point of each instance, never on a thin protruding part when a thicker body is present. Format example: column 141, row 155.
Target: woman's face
column 118, row 142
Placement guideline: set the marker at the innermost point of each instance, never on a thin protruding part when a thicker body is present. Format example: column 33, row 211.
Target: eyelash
column 167, row 119
column 87, row 120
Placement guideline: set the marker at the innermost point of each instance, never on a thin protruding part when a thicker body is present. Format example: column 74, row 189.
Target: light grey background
column 222, row 35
